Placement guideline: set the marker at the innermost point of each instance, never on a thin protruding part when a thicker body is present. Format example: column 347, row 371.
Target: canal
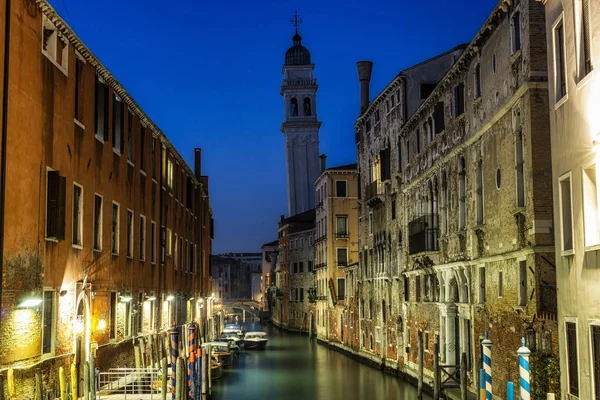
column 294, row 368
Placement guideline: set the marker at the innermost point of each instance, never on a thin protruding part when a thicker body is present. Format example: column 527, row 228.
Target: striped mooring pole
column 481, row 384
column 174, row 335
column 487, row 365
column 191, row 360
column 510, row 391
column 524, row 353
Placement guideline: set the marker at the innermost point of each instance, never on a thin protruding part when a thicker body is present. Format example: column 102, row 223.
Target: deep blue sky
column 208, row 73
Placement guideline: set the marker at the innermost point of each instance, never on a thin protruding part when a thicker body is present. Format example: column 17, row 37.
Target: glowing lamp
column 30, row 303
column 126, row 299
column 79, row 325
column 170, row 298
column 191, row 298
column 151, row 298
column 101, row 325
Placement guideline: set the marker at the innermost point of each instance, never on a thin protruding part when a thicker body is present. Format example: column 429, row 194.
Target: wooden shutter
column 62, row 201
column 52, row 204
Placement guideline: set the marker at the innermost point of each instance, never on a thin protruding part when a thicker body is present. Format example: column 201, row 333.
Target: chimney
column 323, row 158
column 364, row 76
column 198, row 162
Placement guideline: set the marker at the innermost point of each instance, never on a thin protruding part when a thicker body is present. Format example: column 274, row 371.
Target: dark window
column 47, row 323
column 153, row 242
column 189, row 192
column 418, row 288
column 114, row 237
column 294, row 107
column 142, row 147
column 418, row 139
column 341, row 189
column 515, row 25
column 572, row 359
column 477, row 81
column 385, row 164
column 113, row 315
column 341, row 289
column 129, row 136
column 79, row 89
column 438, row 117
column 596, row 359
column 585, row 38
column 97, row 222
column 342, row 257
column 77, row 215
column 117, row 124
column 393, row 209
column 459, row 99
column 399, row 155
column 153, row 157
column 368, row 124
column 427, row 89
column 142, row 238
column 377, row 116
column 55, row 205
column 101, row 109
column 559, row 61
column 310, row 266
column 406, row 289
column 301, row 294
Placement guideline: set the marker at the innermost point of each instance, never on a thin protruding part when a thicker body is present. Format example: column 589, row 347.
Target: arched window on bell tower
column 294, row 107
column 307, row 107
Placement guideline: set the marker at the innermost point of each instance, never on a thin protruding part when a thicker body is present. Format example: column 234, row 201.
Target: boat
column 255, row 340
column 233, row 336
column 237, row 331
column 216, row 370
column 234, row 344
column 222, row 351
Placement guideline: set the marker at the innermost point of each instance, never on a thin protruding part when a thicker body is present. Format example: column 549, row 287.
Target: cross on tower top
column 296, row 21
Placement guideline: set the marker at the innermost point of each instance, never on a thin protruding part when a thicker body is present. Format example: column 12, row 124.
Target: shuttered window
column 438, row 117
column 55, row 205
column 585, row 38
column 101, row 109
column 572, row 362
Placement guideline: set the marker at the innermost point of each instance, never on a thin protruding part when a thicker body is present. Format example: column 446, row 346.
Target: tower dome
column 297, row 54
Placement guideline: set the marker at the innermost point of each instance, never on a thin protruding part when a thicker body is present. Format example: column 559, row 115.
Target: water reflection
column 293, row 368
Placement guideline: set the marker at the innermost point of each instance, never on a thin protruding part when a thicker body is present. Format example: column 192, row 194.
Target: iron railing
column 375, row 189
column 130, row 383
column 423, row 234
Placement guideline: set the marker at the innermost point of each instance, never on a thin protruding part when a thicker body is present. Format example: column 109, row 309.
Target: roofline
column 333, row 170
column 110, row 80
column 466, row 57
column 395, row 83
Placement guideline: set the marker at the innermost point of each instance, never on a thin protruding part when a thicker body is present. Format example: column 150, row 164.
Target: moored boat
column 216, row 370
column 222, row 351
column 255, row 340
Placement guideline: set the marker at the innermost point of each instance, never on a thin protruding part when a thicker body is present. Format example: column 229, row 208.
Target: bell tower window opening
column 294, row 107
column 307, row 107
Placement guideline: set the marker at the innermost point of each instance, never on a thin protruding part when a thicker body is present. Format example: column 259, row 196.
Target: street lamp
column 30, row 303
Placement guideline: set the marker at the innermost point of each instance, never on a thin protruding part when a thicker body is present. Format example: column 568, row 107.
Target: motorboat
column 236, row 331
column 255, row 340
column 222, row 351
column 233, row 343
column 235, row 327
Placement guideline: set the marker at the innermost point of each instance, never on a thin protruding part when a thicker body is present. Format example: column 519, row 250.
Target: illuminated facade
column 572, row 34
column 107, row 231
column 456, row 208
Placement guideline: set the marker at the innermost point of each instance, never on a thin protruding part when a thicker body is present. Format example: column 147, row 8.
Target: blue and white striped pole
column 487, row 365
column 510, row 391
column 524, row 353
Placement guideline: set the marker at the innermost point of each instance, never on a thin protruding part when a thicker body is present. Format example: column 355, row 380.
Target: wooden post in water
column 420, row 353
column 39, row 389
column 463, row 376
column 86, row 380
column 12, row 393
column 73, row 380
column 142, row 344
column 62, row 379
column 436, row 368
column 92, row 378
column 204, row 371
column 164, row 379
column 178, row 380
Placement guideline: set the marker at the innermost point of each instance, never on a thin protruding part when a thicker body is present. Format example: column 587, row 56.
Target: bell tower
column 300, row 127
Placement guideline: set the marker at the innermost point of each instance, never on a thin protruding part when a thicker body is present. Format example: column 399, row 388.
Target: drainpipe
column 4, row 139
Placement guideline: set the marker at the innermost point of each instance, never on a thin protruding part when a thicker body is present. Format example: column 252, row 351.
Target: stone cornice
column 390, row 88
column 110, row 80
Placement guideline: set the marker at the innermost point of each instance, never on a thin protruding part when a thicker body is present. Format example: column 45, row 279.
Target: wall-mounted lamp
column 191, row 298
column 30, row 303
column 62, row 293
column 151, row 298
column 101, row 325
column 170, row 298
column 126, row 299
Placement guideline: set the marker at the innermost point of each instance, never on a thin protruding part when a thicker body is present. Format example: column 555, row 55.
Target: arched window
column 294, row 107
column 307, row 107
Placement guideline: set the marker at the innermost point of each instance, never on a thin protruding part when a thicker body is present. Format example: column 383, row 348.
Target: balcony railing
column 375, row 192
column 423, row 234
column 341, row 235
column 299, row 82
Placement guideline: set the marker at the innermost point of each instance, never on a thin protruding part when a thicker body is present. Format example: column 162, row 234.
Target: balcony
column 341, row 235
column 299, row 82
column 375, row 193
column 423, row 234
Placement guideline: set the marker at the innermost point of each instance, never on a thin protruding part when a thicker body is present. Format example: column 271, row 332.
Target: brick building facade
column 107, row 230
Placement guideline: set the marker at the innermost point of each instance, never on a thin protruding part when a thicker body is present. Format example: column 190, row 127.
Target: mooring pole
column 436, row 368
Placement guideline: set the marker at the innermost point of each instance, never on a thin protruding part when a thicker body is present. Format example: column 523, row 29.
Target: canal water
column 294, row 368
